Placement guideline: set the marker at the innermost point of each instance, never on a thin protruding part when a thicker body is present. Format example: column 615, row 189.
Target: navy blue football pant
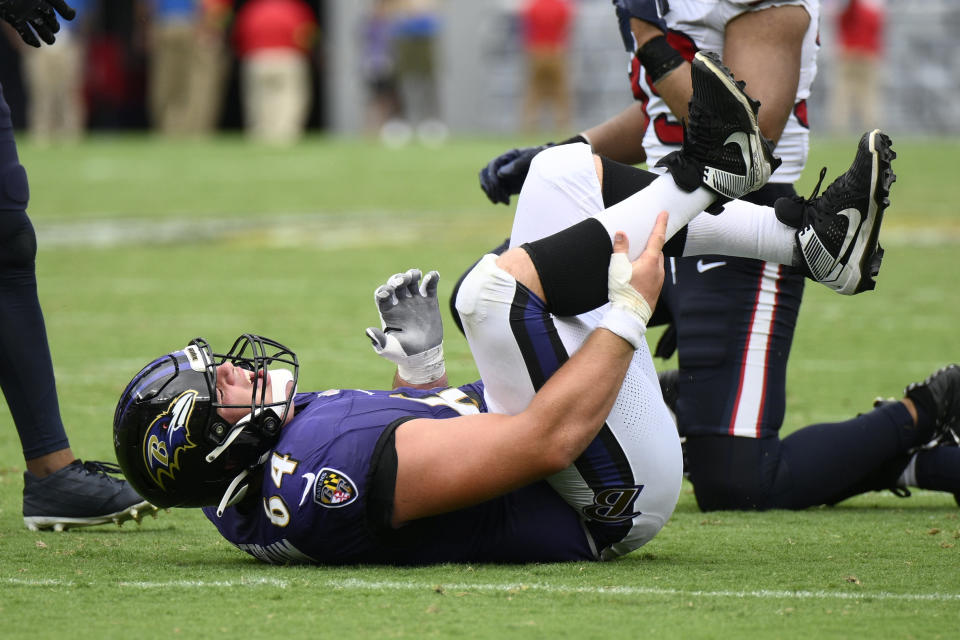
column 26, row 370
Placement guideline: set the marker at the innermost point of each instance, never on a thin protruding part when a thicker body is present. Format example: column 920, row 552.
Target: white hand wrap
column 629, row 312
column 422, row 368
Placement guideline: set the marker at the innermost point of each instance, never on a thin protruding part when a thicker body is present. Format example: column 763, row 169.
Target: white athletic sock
column 744, row 230
column 909, row 476
column 636, row 215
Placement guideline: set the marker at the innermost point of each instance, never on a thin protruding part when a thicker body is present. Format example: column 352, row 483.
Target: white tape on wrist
column 629, row 312
column 423, row 368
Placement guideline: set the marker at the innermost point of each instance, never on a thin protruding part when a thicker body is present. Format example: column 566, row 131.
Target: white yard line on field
column 353, row 584
column 322, row 230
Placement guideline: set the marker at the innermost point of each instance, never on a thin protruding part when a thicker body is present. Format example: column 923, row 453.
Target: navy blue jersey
column 315, row 499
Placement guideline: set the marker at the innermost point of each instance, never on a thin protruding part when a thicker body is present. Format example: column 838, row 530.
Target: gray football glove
column 411, row 333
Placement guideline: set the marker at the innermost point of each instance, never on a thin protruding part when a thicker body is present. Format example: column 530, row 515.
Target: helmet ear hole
column 216, row 431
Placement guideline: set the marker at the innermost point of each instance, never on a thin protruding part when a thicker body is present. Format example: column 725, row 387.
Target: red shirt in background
column 861, row 27
column 274, row 24
column 546, row 23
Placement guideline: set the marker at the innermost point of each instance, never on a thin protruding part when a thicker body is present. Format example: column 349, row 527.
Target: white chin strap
column 232, row 496
column 278, row 392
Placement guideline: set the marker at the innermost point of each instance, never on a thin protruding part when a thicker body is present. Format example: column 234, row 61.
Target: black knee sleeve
column 18, row 241
column 14, row 188
column 572, row 266
column 620, row 181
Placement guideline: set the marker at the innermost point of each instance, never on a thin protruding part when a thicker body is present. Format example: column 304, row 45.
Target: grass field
column 146, row 244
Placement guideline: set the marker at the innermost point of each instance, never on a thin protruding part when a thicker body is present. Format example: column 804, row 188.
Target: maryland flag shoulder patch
column 334, row 489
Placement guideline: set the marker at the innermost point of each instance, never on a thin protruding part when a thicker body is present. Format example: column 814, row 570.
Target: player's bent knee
column 558, row 164
column 14, row 188
column 485, row 285
column 18, row 240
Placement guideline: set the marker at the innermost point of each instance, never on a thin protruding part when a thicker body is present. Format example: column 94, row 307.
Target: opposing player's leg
column 567, row 185
column 56, row 494
column 897, row 445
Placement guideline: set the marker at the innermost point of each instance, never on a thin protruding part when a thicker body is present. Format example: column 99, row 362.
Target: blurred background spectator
column 54, row 81
column 546, row 38
column 378, row 67
column 856, row 90
column 188, row 65
column 474, row 79
column 273, row 40
column 415, row 32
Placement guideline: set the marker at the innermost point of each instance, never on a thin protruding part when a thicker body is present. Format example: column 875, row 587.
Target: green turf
column 318, row 226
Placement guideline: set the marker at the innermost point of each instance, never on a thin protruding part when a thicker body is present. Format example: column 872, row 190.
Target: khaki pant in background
column 187, row 80
column 276, row 95
column 856, row 95
column 547, row 86
column 54, row 79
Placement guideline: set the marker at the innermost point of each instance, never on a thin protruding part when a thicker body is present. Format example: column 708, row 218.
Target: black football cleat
column 82, row 494
column 939, row 395
column 723, row 148
column 838, row 232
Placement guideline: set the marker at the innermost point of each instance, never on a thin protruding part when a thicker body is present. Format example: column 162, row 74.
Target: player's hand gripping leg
column 632, row 285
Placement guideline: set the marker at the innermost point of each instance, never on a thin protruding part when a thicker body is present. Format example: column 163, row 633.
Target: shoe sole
column 136, row 513
column 868, row 254
column 712, row 62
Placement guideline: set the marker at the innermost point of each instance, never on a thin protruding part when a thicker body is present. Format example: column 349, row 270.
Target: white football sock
column 909, row 476
column 743, row 230
column 637, row 214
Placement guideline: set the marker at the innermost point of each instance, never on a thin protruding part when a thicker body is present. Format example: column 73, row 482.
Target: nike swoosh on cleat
column 706, row 266
column 742, row 140
column 853, row 229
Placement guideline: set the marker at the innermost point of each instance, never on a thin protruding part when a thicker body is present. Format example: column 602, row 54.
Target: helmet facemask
column 171, row 441
column 240, row 446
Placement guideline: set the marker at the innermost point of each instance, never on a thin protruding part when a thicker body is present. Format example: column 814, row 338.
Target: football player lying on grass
column 411, row 475
column 566, row 451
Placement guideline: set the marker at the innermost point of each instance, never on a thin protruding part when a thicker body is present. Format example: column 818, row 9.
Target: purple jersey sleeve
column 312, row 506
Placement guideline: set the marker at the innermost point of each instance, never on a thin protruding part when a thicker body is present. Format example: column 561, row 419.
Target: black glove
column 29, row 16
column 505, row 174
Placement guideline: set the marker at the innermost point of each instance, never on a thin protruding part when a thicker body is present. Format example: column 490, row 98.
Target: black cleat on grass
column 82, row 494
column 939, row 395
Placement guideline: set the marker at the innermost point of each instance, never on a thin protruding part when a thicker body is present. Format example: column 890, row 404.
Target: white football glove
column 411, row 333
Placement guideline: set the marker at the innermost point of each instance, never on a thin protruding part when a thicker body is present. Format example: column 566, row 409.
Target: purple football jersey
column 314, row 507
